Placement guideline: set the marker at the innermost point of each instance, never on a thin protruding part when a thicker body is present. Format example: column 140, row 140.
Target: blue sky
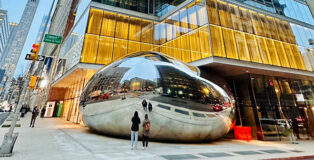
column 15, row 10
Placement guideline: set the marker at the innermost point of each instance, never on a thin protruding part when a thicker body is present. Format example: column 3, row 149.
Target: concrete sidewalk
column 56, row 139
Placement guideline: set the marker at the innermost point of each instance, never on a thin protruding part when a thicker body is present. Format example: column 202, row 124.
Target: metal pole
column 9, row 138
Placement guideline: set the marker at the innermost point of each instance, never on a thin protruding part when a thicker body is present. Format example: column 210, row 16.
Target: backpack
column 147, row 126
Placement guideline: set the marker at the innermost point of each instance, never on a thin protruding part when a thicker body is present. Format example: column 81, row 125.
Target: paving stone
column 180, row 156
column 215, row 155
column 247, row 152
column 272, row 151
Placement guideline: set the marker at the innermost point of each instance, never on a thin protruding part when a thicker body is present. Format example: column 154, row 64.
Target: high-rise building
column 4, row 30
column 9, row 59
column 260, row 51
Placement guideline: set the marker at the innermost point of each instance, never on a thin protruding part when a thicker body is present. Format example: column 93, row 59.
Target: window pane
column 135, row 29
column 120, row 48
column 257, row 24
column 236, row 18
column 246, row 20
column 105, row 50
column 205, row 42
column 290, row 55
column 195, row 45
column 224, row 15
column 134, row 47
column 147, row 31
column 272, row 28
column 298, row 58
column 186, row 55
column 192, row 17
column 281, row 31
column 157, row 33
column 184, row 21
column 169, row 29
column 163, row 32
column 242, row 46
column 265, row 24
column 253, row 50
column 231, row 49
column 273, row 52
column 263, row 50
column 282, row 54
column 108, row 24
column 177, row 48
column 212, row 12
column 307, row 58
column 176, row 22
column 185, row 45
column 217, row 41
column 122, row 26
column 95, row 20
column 90, row 48
column 201, row 15
column 146, row 47
column 291, row 36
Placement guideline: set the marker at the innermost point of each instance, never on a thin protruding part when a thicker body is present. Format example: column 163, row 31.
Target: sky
column 15, row 10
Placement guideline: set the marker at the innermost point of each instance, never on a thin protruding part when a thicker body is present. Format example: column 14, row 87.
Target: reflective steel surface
column 185, row 107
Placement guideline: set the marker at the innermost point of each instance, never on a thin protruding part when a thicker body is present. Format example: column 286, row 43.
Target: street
column 55, row 138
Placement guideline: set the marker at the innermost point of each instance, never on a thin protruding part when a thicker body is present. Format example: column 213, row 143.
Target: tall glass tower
column 12, row 52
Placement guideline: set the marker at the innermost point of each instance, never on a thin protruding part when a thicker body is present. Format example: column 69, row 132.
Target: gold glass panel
column 236, row 17
column 105, row 49
column 212, row 12
column 290, row 55
column 273, row 52
column 122, row 27
column 186, row 55
column 177, row 48
column 134, row 47
column 135, row 29
column 289, row 32
column 265, row 56
column 281, row 31
column 169, row 49
column 108, row 24
column 217, row 41
column 146, row 47
column 272, row 27
column 242, row 46
column 253, row 49
column 205, row 42
column 156, row 48
column 147, row 31
column 282, row 54
column 230, row 45
column 265, row 25
column 95, row 20
column 90, row 48
column 257, row 24
column 298, row 58
column 195, row 45
column 224, row 15
column 246, row 20
column 120, row 48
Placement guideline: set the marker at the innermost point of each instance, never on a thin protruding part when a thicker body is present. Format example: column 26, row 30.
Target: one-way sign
column 40, row 58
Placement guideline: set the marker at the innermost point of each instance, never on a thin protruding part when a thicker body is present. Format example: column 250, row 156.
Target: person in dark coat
column 34, row 116
column 150, row 107
column 134, row 130
column 295, row 127
column 146, row 131
column 42, row 113
column 23, row 110
column 144, row 104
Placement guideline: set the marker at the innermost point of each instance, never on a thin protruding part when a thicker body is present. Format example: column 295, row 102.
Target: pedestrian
column 23, row 110
column 42, row 113
column 146, row 131
column 150, row 107
column 295, row 127
column 34, row 116
column 144, row 104
column 134, row 130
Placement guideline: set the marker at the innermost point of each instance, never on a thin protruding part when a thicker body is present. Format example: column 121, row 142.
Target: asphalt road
column 3, row 116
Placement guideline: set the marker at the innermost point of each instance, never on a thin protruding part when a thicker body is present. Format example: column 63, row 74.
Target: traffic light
column 35, row 51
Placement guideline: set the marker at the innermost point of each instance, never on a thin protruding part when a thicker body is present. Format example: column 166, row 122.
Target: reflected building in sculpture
column 256, row 50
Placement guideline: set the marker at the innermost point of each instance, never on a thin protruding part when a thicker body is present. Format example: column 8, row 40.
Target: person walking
column 150, row 107
column 134, row 129
column 42, row 113
column 146, row 131
column 34, row 116
column 144, row 104
column 23, row 110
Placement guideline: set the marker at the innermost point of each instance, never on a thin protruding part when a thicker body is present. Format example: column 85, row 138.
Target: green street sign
column 49, row 38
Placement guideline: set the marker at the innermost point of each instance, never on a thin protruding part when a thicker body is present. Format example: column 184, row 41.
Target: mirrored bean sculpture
column 184, row 106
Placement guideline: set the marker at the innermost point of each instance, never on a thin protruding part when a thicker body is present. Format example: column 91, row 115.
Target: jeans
column 145, row 140
column 134, row 137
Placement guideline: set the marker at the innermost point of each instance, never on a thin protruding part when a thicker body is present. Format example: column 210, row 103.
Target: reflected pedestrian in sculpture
column 134, row 129
column 34, row 116
column 144, row 104
column 146, row 131
column 43, row 111
column 150, row 107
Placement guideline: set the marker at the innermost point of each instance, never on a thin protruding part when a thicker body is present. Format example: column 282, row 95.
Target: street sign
column 40, row 58
column 49, row 38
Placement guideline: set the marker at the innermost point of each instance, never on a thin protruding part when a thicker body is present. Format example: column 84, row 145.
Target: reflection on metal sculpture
column 185, row 107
